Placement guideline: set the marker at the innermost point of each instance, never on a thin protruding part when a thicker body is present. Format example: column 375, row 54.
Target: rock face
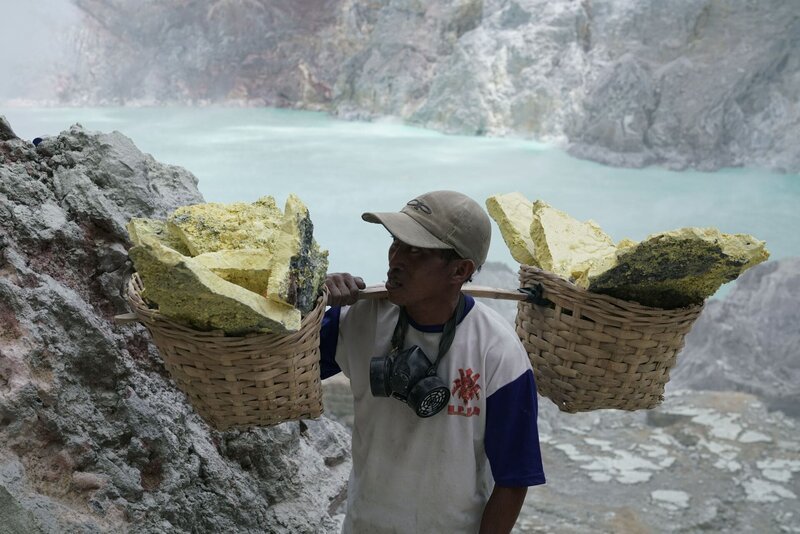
column 94, row 437
column 749, row 341
column 699, row 84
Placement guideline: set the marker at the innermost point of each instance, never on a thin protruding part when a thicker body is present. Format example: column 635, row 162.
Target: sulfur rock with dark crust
column 290, row 257
column 299, row 265
column 679, row 268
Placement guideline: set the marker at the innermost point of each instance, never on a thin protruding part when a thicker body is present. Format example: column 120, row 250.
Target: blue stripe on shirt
column 328, row 339
column 469, row 302
column 512, row 437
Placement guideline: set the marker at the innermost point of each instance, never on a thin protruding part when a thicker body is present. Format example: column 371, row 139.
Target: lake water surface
column 341, row 169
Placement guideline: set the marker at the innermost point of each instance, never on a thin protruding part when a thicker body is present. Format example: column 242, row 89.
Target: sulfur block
column 248, row 268
column 138, row 228
column 513, row 214
column 567, row 247
column 213, row 226
column 679, row 268
column 188, row 292
column 291, row 268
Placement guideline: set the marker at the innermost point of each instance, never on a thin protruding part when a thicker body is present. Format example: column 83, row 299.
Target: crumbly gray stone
column 749, row 341
column 94, row 435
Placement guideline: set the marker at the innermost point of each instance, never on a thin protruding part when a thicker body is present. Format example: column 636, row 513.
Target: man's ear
column 462, row 271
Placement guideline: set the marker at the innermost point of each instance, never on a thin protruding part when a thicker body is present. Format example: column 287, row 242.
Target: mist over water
column 37, row 39
column 341, row 169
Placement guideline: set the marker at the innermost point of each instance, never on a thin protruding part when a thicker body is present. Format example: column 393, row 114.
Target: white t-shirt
column 435, row 474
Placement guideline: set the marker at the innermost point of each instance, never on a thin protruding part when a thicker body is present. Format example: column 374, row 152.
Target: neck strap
column 448, row 333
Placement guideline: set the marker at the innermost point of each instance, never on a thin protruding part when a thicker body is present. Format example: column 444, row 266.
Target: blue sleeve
column 512, row 435
column 328, row 338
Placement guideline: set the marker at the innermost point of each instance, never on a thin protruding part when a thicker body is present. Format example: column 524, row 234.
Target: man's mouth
column 392, row 282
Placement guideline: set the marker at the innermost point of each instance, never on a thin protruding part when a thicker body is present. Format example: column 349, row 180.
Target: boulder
column 679, row 268
column 94, row 434
column 749, row 340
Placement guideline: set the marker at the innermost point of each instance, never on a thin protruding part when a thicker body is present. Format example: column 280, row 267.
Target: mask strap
column 448, row 332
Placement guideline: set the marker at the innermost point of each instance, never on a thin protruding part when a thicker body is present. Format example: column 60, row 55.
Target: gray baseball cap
column 440, row 219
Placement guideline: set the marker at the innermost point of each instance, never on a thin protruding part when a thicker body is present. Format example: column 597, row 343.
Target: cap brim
column 406, row 229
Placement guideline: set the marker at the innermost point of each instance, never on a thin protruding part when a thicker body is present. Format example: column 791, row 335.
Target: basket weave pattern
column 591, row 351
column 244, row 381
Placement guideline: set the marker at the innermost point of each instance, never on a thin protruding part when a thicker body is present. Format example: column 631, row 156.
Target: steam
column 35, row 43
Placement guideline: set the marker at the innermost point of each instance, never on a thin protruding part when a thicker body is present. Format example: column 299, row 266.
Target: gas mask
column 409, row 375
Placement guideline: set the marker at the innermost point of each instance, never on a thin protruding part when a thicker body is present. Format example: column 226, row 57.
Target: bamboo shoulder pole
column 380, row 292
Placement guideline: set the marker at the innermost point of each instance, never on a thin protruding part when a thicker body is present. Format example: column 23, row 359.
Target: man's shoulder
column 492, row 322
column 368, row 311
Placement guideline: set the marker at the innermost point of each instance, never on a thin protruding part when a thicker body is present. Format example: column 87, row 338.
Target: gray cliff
column 94, row 435
column 750, row 341
column 696, row 83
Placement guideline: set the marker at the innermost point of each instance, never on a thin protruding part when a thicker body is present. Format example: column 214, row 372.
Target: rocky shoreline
column 698, row 84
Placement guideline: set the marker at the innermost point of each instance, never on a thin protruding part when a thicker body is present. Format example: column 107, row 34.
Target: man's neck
column 430, row 313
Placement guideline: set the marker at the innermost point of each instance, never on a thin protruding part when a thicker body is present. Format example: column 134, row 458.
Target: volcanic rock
column 94, row 435
column 749, row 340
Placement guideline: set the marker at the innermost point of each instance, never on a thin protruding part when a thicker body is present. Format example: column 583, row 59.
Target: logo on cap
column 419, row 205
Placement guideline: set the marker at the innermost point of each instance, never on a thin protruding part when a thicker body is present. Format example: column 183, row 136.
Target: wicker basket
column 591, row 351
column 240, row 382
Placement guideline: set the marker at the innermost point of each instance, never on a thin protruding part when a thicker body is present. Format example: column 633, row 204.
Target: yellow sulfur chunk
column 567, row 247
column 138, row 228
column 513, row 214
column 213, row 227
column 248, row 268
column 189, row 292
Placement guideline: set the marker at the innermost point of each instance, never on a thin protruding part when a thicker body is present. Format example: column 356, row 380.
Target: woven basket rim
column 586, row 295
column 147, row 314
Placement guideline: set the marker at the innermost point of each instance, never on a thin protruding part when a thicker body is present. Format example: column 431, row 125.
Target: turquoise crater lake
column 340, row 169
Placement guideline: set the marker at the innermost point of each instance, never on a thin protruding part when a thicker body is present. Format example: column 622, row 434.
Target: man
column 467, row 467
